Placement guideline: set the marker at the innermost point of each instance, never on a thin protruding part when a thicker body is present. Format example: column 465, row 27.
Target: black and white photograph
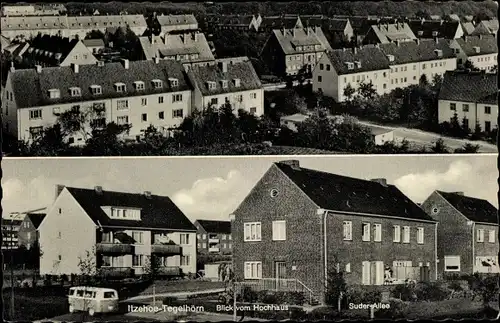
column 251, row 238
column 249, row 78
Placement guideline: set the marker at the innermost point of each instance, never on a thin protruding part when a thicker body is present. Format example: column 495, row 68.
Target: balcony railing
column 115, row 248
column 116, row 272
column 166, row 249
column 213, row 240
column 213, row 249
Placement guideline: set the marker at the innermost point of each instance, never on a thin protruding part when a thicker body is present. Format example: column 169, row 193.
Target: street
column 428, row 138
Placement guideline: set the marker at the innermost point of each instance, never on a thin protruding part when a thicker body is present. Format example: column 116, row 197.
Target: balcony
column 213, row 249
column 166, row 249
column 115, row 248
column 213, row 240
column 116, row 272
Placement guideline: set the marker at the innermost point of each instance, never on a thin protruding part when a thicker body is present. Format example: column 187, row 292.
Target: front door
column 280, row 274
column 425, row 273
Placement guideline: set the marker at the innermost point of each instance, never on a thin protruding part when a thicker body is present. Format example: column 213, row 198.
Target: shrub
column 396, row 310
column 456, row 286
column 404, row 292
column 324, row 314
column 358, row 296
column 268, row 298
column 249, row 295
column 296, row 298
column 432, row 292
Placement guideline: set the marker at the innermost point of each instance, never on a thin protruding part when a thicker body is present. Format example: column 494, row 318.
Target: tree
column 152, row 267
column 440, row 147
column 78, row 121
column 94, row 34
column 422, row 13
column 367, row 91
column 317, row 131
column 50, row 143
column 226, row 273
column 467, row 148
column 469, row 65
column 423, row 80
column 336, row 288
column 349, row 92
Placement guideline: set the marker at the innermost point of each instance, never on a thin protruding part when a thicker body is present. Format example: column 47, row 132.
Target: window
column 252, row 231
column 138, row 236
column 139, row 85
column 385, row 86
column 230, row 237
column 178, row 113
column 184, row 238
column 185, row 260
column 451, row 263
column 395, row 69
column 453, row 106
column 36, row 114
column 122, row 104
column 239, row 98
column 465, row 107
column 53, row 94
column 491, row 236
column 347, row 230
column 423, row 66
column 138, row 260
column 204, row 244
column 96, row 89
column 321, row 66
column 35, row 132
column 377, row 232
column 327, row 67
column 487, row 110
column 160, row 99
column 320, row 78
column 214, row 101
column 279, row 230
column 223, row 237
column 59, row 235
column 480, row 235
column 28, row 236
column 253, row 269
column 204, row 236
column 348, row 267
column 157, row 84
column 420, row 235
column 253, row 95
column 253, row 110
column 224, row 84
column 366, row 231
column 161, row 115
column 406, row 234
column 144, row 117
column 75, row 91
column 120, row 87
column 144, row 102
column 176, row 98
column 121, row 120
column 487, row 126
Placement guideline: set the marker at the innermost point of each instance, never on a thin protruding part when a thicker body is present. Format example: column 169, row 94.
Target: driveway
column 421, row 137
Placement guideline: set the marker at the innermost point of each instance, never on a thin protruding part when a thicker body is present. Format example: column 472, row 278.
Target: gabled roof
column 487, row 44
column 341, row 193
column 474, row 209
column 36, row 219
column 51, row 49
column 468, row 28
column 370, row 57
column 486, row 27
column 333, row 24
column 478, row 87
column 212, row 226
column 93, row 42
column 79, row 22
column 243, row 70
column 429, row 28
column 174, row 20
column 391, row 32
column 157, row 212
column 34, row 22
column 177, row 44
column 4, row 42
column 418, row 50
column 106, row 76
column 275, row 22
column 290, row 39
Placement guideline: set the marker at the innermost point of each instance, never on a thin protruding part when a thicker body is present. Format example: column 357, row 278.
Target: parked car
column 92, row 300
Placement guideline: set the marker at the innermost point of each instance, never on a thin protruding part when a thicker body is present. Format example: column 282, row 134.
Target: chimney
column 397, row 42
column 38, row 69
column 59, row 189
column 417, row 41
column 98, row 190
column 76, row 68
column 147, row 194
column 381, row 181
column 293, row 163
column 12, row 68
column 126, row 63
column 436, row 40
column 223, row 66
column 458, row 193
column 293, row 32
column 184, row 38
column 100, row 63
column 157, row 60
column 355, row 50
column 195, row 36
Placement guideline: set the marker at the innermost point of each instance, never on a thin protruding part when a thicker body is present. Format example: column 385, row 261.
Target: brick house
column 214, row 237
column 297, row 225
column 467, row 233
column 28, row 231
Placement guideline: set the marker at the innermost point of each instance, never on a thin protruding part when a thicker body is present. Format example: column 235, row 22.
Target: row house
column 139, row 93
column 467, row 234
column 165, row 24
column 386, row 33
column 338, row 31
column 300, row 225
column 290, row 51
column 270, row 23
column 47, row 51
column 214, row 237
column 28, row 234
column 233, row 22
column 185, row 47
column 486, row 27
column 431, row 29
column 120, row 232
column 342, row 67
column 481, row 50
column 472, row 97
column 410, row 60
column 235, row 83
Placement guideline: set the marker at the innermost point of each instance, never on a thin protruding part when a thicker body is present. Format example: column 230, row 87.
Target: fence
column 280, row 285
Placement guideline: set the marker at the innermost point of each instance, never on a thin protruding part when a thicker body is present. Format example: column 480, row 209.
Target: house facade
column 94, row 45
column 481, row 50
column 28, row 230
column 138, row 93
column 118, row 231
column 486, row 27
column 214, row 237
column 429, row 29
column 300, row 224
column 467, row 233
column 386, row 33
column 472, row 97
column 10, row 229
column 168, row 23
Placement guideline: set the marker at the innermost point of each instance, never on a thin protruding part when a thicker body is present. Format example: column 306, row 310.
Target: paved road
column 428, row 138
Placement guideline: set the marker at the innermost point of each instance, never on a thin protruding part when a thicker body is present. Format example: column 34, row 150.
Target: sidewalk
column 192, row 317
column 176, row 294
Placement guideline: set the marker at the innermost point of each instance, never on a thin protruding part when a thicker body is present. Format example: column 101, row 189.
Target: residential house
column 467, row 236
column 28, row 232
column 481, row 50
column 270, row 23
column 30, row 26
column 80, row 26
column 186, row 47
column 119, row 231
column 139, row 93
column 168, row 23
column 432, row 29
column 300, row 225
column 214, row 237
column 10, row 229
column 386, row 33
column 342, row 67
column 410, row 60
column 50, row 50
column 338, row 31
column 472, row 96
column 486, row 27
column 361, row 25
column 291, row 51
column 235, row 83
column 234, row 22
column 94, row 45
column 18, row 10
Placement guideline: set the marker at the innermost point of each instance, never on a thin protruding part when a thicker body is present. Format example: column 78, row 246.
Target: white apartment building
column 170, row 23
column 410, row 60
column 338, row 68
column 139, row 93
column 481, row 50
column 119, row 231
column 472, row 96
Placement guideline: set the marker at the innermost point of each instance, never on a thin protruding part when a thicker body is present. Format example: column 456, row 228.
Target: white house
column 472, row 96
column 119, row 231
column 481, row 50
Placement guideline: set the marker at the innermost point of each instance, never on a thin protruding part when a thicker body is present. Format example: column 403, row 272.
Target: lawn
column 165, row 286
column 34, row 307
column 446, row 308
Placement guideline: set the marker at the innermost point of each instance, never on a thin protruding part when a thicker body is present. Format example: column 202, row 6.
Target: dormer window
column 173, row 82
column 120, row 87
column 224, row 84
column 350, row 65
column 237, row 82
column 123, row 213
column 96, row 89
column 358, row 64
column 139, row 85
column 390, row 58
column 439, row 53
column 476, row 49
column 211, row 85
column 54, row 93
column 420, row 33
column 75, row 91
column 434, row 34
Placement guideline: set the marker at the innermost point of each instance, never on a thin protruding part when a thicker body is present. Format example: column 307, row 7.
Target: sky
column 213, row 187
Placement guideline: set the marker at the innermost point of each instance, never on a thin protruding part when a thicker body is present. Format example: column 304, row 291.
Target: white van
column 92, row 300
